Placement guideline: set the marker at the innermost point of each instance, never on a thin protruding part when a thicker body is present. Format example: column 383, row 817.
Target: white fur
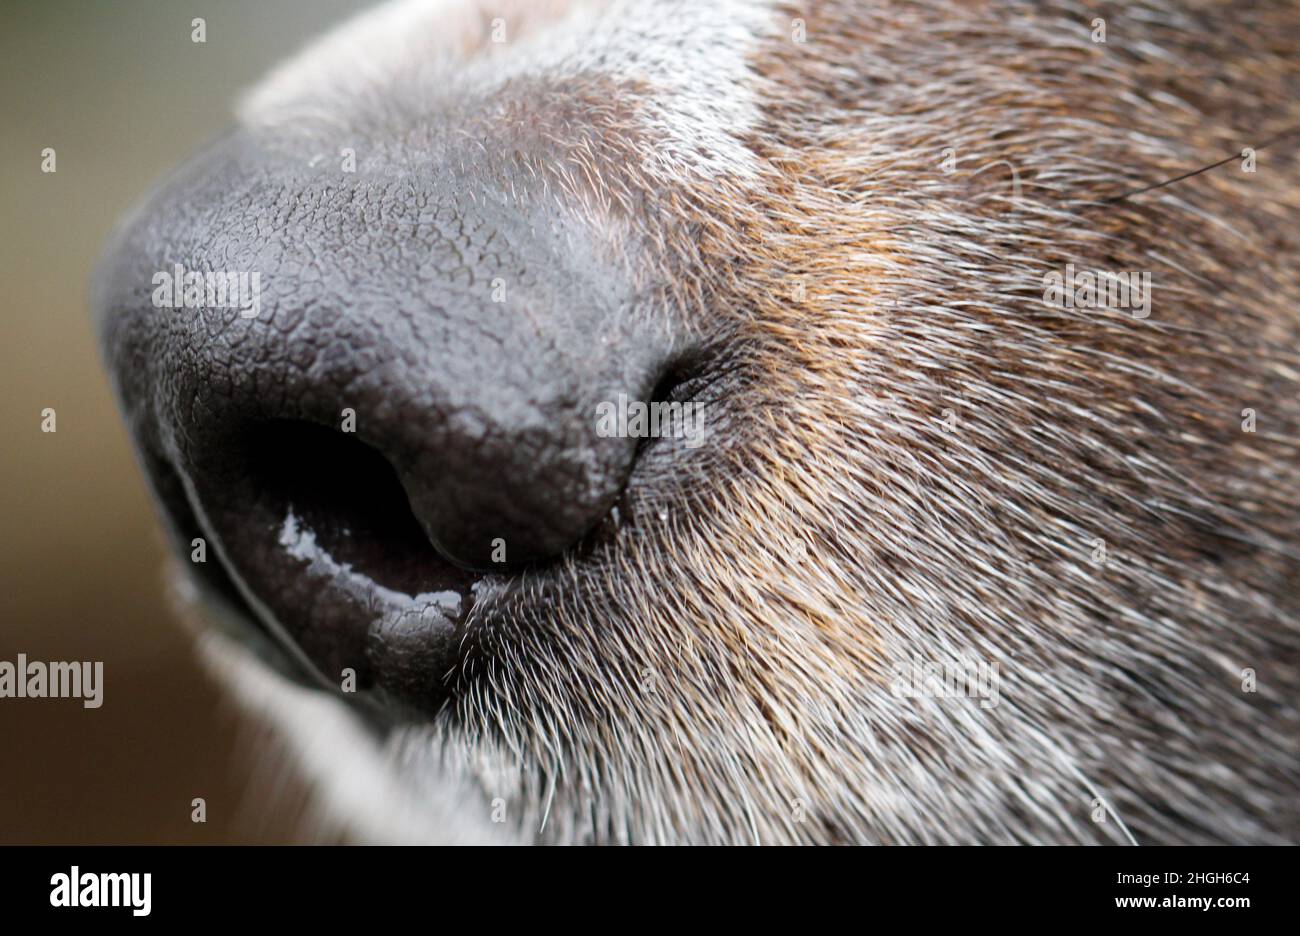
column 356, row 785
column 693, row 57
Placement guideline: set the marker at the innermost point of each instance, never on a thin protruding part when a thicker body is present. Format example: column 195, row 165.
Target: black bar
column 329, row 887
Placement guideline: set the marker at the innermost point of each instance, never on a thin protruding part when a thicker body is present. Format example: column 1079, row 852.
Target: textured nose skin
column 466, row 336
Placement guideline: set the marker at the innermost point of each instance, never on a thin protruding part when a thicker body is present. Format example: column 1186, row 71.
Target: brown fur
column 770, row 717
column 912, row 455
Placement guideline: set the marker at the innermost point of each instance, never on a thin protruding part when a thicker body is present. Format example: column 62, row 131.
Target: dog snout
column 371, row 385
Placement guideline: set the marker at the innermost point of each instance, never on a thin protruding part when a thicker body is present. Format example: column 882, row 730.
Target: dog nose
column 408, row 372
column 470, row 344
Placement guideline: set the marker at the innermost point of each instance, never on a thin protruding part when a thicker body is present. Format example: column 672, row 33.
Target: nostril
column 349, row 496
column 317, row 533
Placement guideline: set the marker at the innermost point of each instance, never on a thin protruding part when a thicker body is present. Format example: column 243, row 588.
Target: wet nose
column 386, row 374
column 469, row 344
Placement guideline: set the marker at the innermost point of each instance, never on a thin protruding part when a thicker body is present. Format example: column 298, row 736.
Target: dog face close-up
column 744, row 421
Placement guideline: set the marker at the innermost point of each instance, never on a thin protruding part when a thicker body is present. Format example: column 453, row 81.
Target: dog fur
column 912, row 456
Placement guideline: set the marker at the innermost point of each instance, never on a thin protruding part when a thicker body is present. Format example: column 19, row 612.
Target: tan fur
column 718, row 670
column 1122, row 683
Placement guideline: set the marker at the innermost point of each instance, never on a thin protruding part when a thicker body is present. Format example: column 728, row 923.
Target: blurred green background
column 122, row 94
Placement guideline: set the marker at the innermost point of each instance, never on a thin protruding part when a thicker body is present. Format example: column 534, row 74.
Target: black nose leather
column 463, row 328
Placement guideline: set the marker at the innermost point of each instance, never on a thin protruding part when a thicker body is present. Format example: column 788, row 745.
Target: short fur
column 912, row 455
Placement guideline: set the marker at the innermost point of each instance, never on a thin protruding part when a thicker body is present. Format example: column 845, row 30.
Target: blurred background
column 121, row 93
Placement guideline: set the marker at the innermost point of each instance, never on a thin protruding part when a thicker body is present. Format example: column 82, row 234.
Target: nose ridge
column 468, row 343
